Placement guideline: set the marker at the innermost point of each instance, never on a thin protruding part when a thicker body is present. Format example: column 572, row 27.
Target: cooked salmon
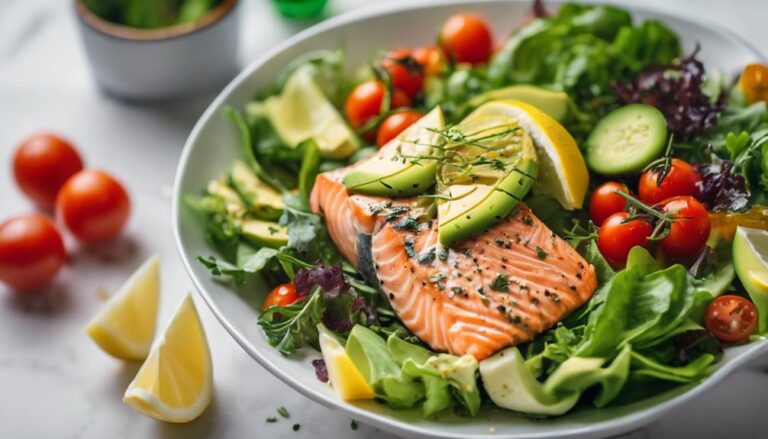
column 494, row 290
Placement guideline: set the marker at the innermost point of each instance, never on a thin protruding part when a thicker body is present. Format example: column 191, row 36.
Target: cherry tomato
column 394, row 125
column 430, row 58
column 682, row 179
column 466, row 38
column 616, row 237
column 754, row 82
column 604, row 201
column 406, row 72
column 364, row 102
column 31, row 252
column 41, row 165
column 731, row 319
column 93, row 205
column 282, row 295
column 690, row 228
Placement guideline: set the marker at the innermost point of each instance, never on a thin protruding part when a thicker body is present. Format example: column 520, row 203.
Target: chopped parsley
column 271, row 419
column 353, row 425
column 541, row 254
column 407, row 223
column 527, row 220
column 409, row 243
column 296, row 427
column 437, row 277
column 501, row 283
column 272, row 230
column 443, row 254
column 282, row 411
column 427, row 257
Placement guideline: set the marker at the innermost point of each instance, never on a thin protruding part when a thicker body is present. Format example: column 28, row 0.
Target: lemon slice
column 174, row 383
column 562, row 171
column 125, row 326
column 302, row 111
column 346, row 380
column 750, row 260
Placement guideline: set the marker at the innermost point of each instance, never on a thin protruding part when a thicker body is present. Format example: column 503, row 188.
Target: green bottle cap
column 301, row 9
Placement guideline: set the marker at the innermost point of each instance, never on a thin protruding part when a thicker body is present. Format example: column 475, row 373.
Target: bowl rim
column 619, row 424
column 127, row 33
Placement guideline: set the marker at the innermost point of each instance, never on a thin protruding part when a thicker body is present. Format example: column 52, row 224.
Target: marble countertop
column 57, row 384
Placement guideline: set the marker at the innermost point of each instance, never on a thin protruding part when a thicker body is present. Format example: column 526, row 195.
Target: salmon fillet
column 495, row 290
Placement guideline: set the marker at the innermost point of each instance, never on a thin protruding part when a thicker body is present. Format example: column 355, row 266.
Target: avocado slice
column 232, row 201
column 264, row 233
column 264, row 201
column 512, row 386
column 395, row 171
column 489, row 167
column 553, row 103
column 750, row 259
column 302, row 111
column 370, row 355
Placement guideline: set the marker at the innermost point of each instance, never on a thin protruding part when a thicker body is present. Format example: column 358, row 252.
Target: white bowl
column 164, row 63
column 213, row 144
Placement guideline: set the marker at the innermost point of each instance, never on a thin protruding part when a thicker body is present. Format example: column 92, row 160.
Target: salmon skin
column 495, row 290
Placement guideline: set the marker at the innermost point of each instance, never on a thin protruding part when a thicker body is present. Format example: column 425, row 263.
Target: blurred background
column 54, row 382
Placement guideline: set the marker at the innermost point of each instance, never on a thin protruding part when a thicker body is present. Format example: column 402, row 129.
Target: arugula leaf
column 288, row 327
column 249, row 261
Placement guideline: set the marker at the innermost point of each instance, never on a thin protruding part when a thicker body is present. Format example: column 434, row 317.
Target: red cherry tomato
column 466, row 38
column 616, row 237
column 394, row 125
column 93, row 205
column 406, row 72
column 282, row 295
column 604, row 201
column 731, row 319
column 430, row 58
column 41, row 165
column 690, row 228
column 364, row 102
column 31, row 252
column 682, row 179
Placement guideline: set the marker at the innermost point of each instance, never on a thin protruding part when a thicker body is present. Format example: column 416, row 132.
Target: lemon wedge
column 750, row 260
column 125, row 326
column 302, row 112
column 175, row 382
column 346, row 380
column 562, row 173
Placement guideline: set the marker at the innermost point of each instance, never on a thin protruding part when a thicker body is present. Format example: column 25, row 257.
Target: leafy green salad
column 573, row 216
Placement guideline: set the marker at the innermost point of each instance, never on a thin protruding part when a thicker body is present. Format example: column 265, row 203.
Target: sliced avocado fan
column 406, row 165
column 302, row 112
column 488, row 166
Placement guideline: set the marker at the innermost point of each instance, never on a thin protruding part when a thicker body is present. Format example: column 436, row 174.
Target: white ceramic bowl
column 165, row 63
column 213, row 145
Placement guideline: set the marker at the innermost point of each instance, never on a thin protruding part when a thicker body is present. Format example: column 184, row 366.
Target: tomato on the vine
column 681, row 179
column 604, row 201
column 405, row 71
column 731, row 318
column 364, row 102
column 430, row 58
column 281, row 295
column 31, row 252
column 689, row 230
column 466, row 38
column 619, row 234
column 41, row 165
column 93, row 205
column 394, row 124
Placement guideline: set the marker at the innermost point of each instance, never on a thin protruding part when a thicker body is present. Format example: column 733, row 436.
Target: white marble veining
column 54, row 383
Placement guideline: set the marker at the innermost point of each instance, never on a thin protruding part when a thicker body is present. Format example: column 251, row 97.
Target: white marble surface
column 54, row 383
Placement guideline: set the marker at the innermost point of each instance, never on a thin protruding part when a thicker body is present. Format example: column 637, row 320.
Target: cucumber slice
column 626, row 140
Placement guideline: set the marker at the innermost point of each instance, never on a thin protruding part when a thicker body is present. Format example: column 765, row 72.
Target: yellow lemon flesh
column 175, row 383
column 563, row 172
column 125, row 326
column 346, row 380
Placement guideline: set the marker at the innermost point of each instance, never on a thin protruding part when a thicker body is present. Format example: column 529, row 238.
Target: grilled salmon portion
column 495, row 290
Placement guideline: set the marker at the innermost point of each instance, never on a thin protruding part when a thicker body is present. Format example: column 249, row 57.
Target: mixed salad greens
column 666, row 258
column 150, row 14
